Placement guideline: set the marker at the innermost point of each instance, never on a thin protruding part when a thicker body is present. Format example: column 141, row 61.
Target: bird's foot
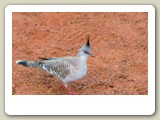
column 71, row 92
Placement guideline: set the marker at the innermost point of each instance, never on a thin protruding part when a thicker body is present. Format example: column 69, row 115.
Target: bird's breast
column 77, row 73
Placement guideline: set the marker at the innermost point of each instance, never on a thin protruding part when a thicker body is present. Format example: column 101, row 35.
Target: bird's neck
column 83, row 58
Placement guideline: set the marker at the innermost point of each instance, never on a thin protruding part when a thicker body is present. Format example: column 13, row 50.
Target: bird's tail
column 29, row 63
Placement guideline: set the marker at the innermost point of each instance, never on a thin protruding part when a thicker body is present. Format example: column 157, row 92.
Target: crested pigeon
column 67, row 69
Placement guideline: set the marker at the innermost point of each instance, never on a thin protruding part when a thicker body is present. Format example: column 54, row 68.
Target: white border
column 82, row 104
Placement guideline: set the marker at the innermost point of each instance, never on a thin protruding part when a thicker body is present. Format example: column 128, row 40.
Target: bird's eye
column 86, row 52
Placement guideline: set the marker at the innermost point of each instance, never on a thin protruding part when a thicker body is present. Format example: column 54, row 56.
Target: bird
column 66, row 69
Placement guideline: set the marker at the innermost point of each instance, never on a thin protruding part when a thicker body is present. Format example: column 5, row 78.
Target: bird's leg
column 71, row 92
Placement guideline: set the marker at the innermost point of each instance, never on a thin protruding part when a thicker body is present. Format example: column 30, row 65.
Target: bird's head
column 86, row 49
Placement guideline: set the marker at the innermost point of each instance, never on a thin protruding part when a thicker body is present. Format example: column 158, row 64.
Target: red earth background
column 119, row 42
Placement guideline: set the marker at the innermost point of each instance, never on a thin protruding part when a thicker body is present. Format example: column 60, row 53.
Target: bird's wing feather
column 47, row 58
column 58, row 67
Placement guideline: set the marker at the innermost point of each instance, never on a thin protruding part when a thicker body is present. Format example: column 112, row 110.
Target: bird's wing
column 59, row 67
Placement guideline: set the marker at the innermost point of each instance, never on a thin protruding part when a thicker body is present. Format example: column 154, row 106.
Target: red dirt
column 119, row 42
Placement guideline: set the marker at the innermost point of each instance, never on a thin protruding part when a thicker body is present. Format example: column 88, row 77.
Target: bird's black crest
column 88, row 44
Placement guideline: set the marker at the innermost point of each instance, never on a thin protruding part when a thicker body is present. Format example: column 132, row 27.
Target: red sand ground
column 119, row 42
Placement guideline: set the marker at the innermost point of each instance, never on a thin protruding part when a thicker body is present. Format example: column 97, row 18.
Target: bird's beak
column 91, row 54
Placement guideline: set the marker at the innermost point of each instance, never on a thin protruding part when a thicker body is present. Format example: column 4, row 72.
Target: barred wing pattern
column 58, row 67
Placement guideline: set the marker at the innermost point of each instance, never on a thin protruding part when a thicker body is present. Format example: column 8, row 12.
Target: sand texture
column 119, row 42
